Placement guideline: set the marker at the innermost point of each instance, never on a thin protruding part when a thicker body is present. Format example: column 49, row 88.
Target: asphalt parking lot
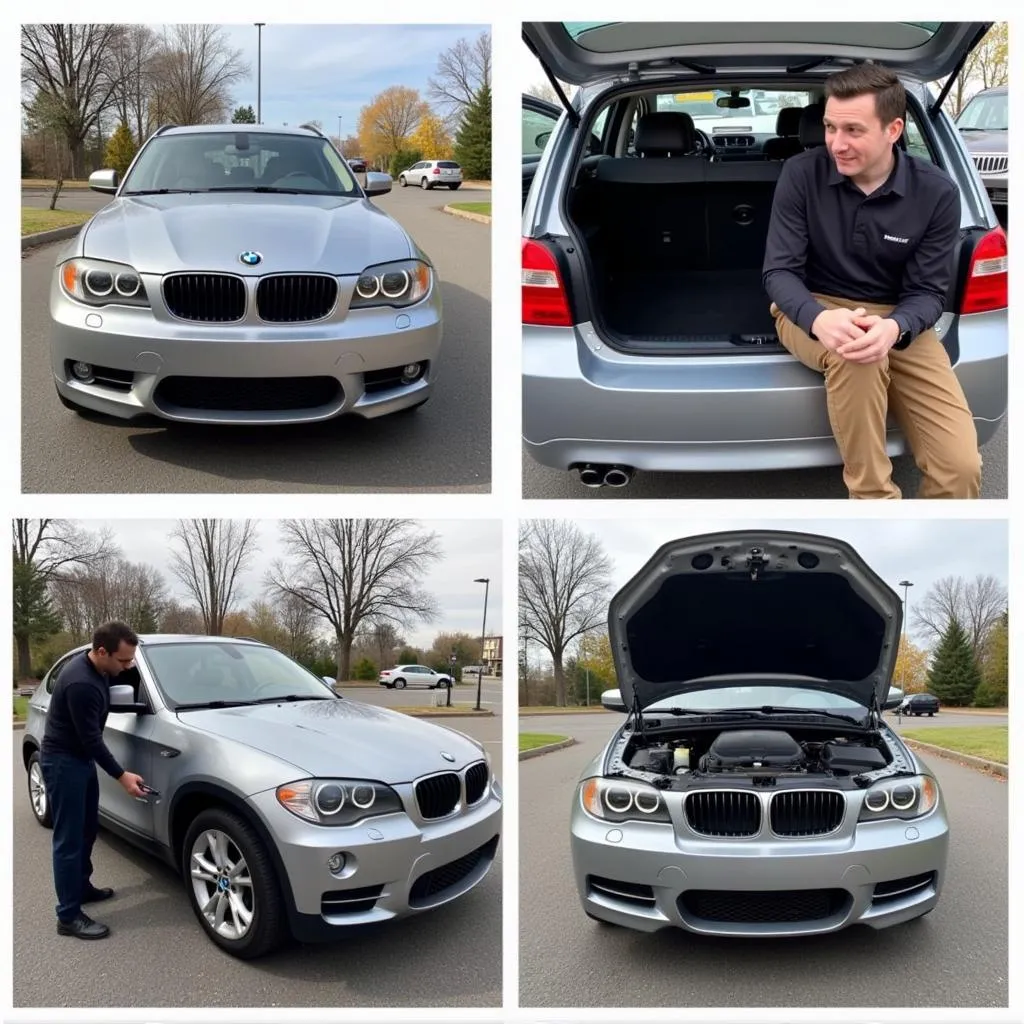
column 158, row 956
column 957, row 956
column 417, row 697
column 445, row 446
column 542, row 482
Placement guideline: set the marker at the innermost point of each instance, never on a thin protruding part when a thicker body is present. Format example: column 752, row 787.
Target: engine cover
column 753, row 748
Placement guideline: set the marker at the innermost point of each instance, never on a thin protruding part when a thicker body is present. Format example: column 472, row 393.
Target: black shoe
column 94, row 895
column 82, row 927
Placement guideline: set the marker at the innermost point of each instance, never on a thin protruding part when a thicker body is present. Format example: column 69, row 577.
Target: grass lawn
column 988, row 741
column 484, row 208
column 33, row 220
column 532, row 740
column 20, row 706
column 50, row 182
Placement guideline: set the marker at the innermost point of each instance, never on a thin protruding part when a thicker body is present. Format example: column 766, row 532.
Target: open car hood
column 755, row 602
column 586, row 52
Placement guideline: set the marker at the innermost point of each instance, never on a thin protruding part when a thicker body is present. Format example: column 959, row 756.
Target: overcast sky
column 922, row 551
column 471, row 548
column 316, row 72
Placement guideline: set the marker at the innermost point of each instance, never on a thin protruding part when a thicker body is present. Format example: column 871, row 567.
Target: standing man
column 72, row 748
column 857, row 264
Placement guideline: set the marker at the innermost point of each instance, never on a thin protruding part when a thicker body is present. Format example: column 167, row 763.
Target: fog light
column 336, row 864
column 83, row 371
column 411, row 372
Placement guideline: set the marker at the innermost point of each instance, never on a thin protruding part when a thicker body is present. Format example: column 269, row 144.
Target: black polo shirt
column 77, row 714
column 893, row 246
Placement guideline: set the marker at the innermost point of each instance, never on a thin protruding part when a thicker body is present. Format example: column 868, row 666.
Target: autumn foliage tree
column 911, row 673
column 387, row 122
column 431, row 138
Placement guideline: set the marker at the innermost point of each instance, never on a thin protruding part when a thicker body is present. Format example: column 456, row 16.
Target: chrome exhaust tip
column 618, row 476
column 591, row 476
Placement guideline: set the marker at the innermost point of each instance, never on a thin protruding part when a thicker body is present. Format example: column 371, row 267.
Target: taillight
column 436, row 170
column 988, row 280
column 544, row 300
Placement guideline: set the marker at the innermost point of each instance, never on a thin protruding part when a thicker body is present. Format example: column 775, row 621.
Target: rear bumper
column 585, row 402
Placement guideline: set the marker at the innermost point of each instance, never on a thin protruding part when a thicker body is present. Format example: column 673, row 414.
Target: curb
column 19, row 725
column 975, row 762
column 563, row 711
column 525, row 755
column 444, row 714
column 44, row 237
column 480, row 218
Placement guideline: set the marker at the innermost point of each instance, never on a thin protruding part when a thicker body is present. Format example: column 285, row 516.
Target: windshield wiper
column 160, row 191
column 214, row 704
column 768, row 709
column 256, row 188
column 289, row 697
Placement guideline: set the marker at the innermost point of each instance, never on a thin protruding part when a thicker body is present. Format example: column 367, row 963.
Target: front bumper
column 584, row 402
column 394, row 866
column 653, row 855
column 346, row 354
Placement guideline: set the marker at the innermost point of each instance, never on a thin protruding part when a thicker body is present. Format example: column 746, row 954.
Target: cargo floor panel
column 687, row 306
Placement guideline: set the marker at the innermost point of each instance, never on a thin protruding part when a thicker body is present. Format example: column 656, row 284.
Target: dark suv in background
column 984, row 124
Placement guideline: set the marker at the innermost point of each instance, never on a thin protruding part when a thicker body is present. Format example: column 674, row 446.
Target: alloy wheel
column 222, row 884
column 37, row 790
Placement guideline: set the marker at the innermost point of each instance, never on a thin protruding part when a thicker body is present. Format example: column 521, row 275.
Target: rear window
column 447, row 163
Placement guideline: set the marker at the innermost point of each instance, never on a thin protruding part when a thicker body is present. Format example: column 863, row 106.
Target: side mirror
column 377, row 184
column 894, row 700
column 611, row 700
column 541, row 140
column 329, row 680
column 122, row 700
column 104, row 181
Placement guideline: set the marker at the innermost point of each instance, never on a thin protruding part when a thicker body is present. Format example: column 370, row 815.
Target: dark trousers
column 74, row 794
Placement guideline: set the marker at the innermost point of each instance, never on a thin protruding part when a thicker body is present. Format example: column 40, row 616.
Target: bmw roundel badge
column 447, row 756
column 250, row 258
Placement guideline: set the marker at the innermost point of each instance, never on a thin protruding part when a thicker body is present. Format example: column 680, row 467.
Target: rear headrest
column 788, row 122
column 665, row 133
column 812, row 128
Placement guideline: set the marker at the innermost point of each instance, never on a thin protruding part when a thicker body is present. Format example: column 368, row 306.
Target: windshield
column 759, row 115
column 198, row 673
column 758, row 696
column 987, row 113
column 243, row 161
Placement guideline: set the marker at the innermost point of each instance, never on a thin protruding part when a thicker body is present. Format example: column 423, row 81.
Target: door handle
column 169, row 752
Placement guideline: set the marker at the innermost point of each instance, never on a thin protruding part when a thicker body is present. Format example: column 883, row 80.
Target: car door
column 130, row 737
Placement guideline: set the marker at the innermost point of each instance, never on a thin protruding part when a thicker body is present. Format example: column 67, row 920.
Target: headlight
column 900, row 798
column 392, row 284
column 338, row 801
column 100, row 283
column 622, row 800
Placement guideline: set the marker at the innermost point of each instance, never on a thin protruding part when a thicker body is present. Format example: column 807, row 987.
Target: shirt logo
column 896, row 238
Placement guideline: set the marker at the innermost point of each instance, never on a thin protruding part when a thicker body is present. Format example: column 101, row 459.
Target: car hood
column 208, row 232
column 755, row 602
column 340, row 738
column 984, row 141
column 586, row 52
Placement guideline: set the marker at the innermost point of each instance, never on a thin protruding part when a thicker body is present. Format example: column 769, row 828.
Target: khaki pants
column 918, row 386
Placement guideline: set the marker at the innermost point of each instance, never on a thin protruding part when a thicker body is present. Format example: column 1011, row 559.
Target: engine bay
column 683, row 757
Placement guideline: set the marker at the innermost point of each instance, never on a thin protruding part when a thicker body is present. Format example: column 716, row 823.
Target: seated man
column 857, row 264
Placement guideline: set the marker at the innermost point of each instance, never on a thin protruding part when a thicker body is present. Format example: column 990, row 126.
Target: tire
column 267, row 927
column 400, row 684
column 455, row 188
column 424, row 184
column 402, row 181
column 931, row 714
column 444, row 684
column 40, row 808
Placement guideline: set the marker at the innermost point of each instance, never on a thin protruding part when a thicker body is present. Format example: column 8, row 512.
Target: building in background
column 492, row 655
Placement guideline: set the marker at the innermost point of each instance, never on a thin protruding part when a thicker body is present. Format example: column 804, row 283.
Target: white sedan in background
column 402, row 676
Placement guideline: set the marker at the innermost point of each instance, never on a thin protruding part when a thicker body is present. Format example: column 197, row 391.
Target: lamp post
column 906, row 585
column 485, row 580
column 259, row 70
column 339, row 133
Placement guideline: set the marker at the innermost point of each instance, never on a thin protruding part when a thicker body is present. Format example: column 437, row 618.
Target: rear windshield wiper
column 214, row 704
column 290, row 697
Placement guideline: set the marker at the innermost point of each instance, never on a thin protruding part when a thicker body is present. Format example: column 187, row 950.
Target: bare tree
column 73, row 66
column 544, row 91
column 196, row 70
column 180, row 618
column 298, row 621
column 110, row 589
column 134, row 54
column 988, row 63
column 213, row 553
column 385, row 639
column 49, row 550
column 462, row 71
column 976, row 604
column 352, row 572
column 564, row 578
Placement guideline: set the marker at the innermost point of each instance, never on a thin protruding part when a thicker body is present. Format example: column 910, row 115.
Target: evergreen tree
column 34, row 616
column 244, row 115
column 473, row 139
column 121, row 149
column 954, row 675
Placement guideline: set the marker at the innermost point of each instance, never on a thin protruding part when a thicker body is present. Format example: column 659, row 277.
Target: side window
column 916, row 144
column 55, row 672
column 537, row 128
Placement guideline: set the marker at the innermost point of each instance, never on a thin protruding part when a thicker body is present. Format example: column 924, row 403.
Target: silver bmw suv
column 647, row 339
column 284, row 807
column 755, row 788
column 241, row 275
